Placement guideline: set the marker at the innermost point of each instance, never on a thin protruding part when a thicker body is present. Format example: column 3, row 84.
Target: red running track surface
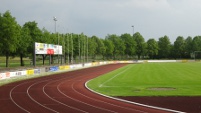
column 63, row 93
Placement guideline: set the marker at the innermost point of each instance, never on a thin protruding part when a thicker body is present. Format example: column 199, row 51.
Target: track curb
column 135, row 103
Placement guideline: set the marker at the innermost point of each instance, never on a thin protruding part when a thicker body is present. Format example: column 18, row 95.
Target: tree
column 24, row 42
column 46, row 37
column 9, row 35
column 119, row 46
column 152, row 48
column 196, row 45
column 68, row 46
column 164, row 47
column 179, row 47
column 35, row 33
column 101, row 49
column 109, row 48
column 78, row 41
column 140, row 44
column 172, row 53
column 188, row 46
column 92, row 47
column 80, row 46
column 129, row 43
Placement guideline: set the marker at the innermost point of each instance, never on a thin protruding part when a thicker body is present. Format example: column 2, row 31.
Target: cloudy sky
column 152, row 18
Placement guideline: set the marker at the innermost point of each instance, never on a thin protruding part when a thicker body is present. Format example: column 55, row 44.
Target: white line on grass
column 116, row 86
column 115, row 76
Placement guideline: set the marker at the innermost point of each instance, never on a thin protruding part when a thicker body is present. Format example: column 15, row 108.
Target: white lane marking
column 11, row 91
column 19, row 92
column 81, row 101
column 59, row 101
column 37, row 101
column 101, row 85
column 50, row 104
column 117, row 86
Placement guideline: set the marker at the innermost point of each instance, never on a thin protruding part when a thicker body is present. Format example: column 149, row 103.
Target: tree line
column 16, row 40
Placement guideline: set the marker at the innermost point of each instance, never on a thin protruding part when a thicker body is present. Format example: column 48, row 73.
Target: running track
column 63, row 93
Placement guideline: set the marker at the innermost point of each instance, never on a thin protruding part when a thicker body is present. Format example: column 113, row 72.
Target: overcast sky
column 152, row 18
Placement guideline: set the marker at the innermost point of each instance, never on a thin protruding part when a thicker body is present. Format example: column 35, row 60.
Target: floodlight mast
column 133, row 28
column 55, row 20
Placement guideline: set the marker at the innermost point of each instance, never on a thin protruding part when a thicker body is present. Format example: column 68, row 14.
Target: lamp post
column 55, row 20
column 133, row 28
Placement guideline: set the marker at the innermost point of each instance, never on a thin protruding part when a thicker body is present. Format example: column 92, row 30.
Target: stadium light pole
column 133, row 28
column 55, row 20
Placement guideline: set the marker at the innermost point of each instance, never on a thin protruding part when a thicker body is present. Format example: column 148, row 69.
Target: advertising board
column 30, row 72
column 42, row 48
column 2, row 76
column 54, row 68
column 67, row 67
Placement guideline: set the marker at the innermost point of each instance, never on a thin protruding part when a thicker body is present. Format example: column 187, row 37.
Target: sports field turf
column 151, row 79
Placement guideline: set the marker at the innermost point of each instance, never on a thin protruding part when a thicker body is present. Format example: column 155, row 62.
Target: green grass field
column 151, row 79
